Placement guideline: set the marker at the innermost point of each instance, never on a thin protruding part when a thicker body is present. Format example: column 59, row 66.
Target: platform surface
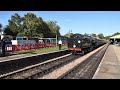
column 14, row 56
column 109, row 67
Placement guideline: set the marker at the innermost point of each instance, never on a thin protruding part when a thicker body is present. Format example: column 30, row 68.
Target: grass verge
column 43, row 50
column 119, row 44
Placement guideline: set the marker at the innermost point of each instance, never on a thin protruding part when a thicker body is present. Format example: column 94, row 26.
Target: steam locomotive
column 80, row 44
column 5, row 45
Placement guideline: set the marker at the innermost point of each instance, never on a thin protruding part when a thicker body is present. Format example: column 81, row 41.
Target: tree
column 32, row 26
column 15, row 25
column 68, row 34
column 0, row 27
column 101, row 35
column 107, row 37
column 23, row 26
column 54, row 28
column 27, row 33
column 46, row 30
column 8, row 31
column 86, row 34
column 29, row 24
column 94, row 35
column 117, row 33
column 35, row 26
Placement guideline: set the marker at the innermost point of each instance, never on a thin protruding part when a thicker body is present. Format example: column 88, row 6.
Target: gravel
column 60, row 71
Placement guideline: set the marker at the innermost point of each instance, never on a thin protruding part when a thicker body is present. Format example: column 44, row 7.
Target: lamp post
column 70, row 33
column 56, row 40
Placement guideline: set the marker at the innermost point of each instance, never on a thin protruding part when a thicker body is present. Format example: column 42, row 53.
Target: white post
column 114, row 41
column 2, row 35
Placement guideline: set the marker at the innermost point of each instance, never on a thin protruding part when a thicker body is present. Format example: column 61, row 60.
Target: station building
column 115, row 39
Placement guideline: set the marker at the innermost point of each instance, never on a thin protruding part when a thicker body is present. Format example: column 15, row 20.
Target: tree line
column 95, row 35
column 31, row 26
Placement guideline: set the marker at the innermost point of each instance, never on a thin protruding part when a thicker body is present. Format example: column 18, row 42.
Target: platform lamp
column 56, row 40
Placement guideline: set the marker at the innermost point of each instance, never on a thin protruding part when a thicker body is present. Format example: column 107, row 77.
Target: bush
column 119, row 43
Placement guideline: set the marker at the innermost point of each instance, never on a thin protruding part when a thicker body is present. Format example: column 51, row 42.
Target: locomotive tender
column 80, row 44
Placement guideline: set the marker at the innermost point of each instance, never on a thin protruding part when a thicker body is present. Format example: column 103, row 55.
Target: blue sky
column 106, row 22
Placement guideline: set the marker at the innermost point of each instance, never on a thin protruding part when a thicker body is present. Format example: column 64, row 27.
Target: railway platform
column 109, row 67
column 18, row 56
column 12, row 57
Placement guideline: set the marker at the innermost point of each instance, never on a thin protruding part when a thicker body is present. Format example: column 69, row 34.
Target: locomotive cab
column 78, row 43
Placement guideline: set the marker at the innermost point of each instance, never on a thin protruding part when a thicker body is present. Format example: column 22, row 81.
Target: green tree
column 0, row 27
column 86, row 34
column 68, row 34
column 101, row 35
column 117, row 33
column 54, row 28
column 8, row 31
column 14, row 25
column 46, row 30
column 35, row 26
column 32, row 26
column 94, row 35
column 107, row 37
column 29, row 24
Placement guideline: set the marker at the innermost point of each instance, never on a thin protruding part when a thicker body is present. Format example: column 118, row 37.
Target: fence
column 19, row 45
column 16, row 48
column 30, row 47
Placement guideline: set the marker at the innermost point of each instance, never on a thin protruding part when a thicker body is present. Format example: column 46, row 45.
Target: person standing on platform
column 60, row 44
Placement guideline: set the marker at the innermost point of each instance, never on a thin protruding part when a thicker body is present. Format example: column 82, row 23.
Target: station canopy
column 115, row 37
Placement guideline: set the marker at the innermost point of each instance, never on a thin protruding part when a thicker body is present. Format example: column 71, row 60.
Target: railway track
column 38, row 70
column 10, row 65
column 84, row 70
column 87, row 68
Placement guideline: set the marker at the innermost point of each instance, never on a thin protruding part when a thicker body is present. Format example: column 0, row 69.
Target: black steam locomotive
column 80, row 44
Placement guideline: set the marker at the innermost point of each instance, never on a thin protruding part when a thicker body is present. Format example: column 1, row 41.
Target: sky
column 105, row 22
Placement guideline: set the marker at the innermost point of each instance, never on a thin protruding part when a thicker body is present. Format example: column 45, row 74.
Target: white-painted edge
column 29, row 56
column 31, row 66
column 96, row 73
